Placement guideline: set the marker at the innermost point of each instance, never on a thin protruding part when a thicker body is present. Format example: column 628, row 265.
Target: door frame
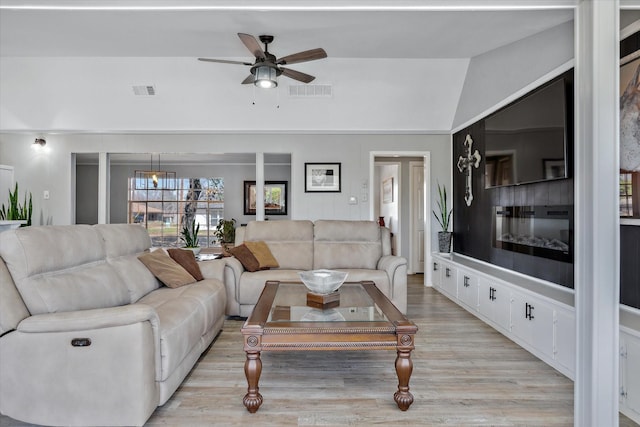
column 426, row 155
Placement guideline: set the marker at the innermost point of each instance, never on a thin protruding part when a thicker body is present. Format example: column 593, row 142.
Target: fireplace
column 543, row 231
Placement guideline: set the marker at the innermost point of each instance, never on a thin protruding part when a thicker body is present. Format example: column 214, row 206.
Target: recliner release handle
column 81, row 342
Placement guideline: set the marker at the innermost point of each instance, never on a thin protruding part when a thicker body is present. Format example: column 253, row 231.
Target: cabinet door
column 565, row 340
column 494, row 303
column 468, row 289
column 449, row 282
column 631, row 373
column 436, row 276
column 532, row 322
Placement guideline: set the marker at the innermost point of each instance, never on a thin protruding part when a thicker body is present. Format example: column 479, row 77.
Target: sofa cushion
column 187, row 260
column 12, row 308
column 263, row 255
column 123, row 243
column 185, row 315
column 61, row 268
column 166, row 269
column 346, row 244
column 290, row 241
column 246, row 257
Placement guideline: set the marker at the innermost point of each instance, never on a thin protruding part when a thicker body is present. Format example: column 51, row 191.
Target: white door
column 417, row 217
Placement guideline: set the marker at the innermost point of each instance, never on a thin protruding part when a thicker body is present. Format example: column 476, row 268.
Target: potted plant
column 226, row 234
column 444, row 219
column 189, row 236
column 15, row 214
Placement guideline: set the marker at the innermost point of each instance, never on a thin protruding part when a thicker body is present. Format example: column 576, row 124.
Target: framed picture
column 322, row 177
column 629, row 128
column 387, row 190
column 275, row 197
column 553, row 168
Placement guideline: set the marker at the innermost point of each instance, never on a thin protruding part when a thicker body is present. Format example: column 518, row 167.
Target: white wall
column 51, row 170
column 95, row 94
column 498, row 74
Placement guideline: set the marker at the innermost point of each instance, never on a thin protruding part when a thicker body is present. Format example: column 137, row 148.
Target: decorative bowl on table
column 323, row 282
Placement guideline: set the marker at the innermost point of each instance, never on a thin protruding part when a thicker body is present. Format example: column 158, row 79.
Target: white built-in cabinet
column 542, row 325
column 537, row 315
column 630, row 373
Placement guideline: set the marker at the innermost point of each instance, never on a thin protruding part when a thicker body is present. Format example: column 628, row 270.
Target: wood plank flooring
column 465, row 374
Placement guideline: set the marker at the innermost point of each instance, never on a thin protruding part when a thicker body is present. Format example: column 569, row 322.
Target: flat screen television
column 527, row 140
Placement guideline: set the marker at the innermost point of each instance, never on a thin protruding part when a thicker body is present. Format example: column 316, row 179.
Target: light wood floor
column 465, row 374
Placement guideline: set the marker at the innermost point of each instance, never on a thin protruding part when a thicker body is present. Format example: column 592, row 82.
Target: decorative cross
column 466, row 165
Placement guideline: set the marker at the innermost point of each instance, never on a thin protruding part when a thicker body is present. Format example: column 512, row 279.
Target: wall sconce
column 40, row 142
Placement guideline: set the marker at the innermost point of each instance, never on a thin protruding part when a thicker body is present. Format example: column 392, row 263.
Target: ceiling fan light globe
column 265, row 77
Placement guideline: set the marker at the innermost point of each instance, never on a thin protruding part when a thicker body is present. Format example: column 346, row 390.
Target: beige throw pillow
column 166, row 269
column 263, row 254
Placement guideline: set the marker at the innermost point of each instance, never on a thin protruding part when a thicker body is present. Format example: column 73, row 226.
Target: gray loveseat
column 88, row 336
column 362, row 248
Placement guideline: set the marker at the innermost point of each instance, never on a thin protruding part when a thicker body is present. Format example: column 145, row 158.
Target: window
column 163, row 211
column 630, row 194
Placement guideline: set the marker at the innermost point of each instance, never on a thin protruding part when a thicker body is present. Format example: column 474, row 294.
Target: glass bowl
column 323, row 282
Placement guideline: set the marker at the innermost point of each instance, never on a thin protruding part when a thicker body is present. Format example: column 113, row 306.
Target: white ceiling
column 99, row 31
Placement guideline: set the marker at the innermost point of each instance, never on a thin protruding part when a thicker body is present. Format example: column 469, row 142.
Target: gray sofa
column 362, row 248
column 88, row 336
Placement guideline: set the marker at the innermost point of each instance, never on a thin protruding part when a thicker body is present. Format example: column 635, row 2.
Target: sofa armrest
column 100, row 318
column 232, row 272
column 391, row 263
column 213, row 269
column 396, row 269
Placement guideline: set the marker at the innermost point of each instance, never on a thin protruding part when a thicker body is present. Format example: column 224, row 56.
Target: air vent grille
column 310, row 91
column 144, row 90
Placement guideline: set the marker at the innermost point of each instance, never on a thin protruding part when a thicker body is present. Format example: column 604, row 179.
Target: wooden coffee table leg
column 252, row 370
column 404, row 367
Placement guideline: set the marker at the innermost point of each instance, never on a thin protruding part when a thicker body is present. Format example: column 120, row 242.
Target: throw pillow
column 187, row 260
column 263, row 254
column 166, row 269
column 246, row 258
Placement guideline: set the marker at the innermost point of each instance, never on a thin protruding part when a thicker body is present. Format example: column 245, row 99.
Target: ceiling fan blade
column 297, row 75
column 307, row 55
column 224, row 61
column 252, row 44
column 249, row 80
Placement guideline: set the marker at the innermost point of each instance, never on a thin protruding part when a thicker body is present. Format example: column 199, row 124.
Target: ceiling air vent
column 144, row 90
column 310, row 91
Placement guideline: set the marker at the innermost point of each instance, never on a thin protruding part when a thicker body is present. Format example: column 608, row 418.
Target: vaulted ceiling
column 91, row 53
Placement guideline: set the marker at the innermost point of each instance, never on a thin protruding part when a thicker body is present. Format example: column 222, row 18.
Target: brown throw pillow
column 187, row 260
column 166, row 269
column 263, row 254
column 246, row 258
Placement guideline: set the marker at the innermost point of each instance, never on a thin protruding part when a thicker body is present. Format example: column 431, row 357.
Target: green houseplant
column 15, row 211
column 189, row 235
column 226, row 234
column 443, row 216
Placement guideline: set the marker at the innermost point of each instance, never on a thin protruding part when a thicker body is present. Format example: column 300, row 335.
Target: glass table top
column 290, row 305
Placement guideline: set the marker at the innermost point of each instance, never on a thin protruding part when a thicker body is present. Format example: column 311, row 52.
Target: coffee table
column 365, row 320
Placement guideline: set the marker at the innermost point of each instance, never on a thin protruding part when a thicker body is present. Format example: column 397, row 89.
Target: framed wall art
column 387, row 190
column 275, row 197
column 322, row 178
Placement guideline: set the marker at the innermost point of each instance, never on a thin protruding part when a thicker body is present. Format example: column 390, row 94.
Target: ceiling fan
column 267, row 67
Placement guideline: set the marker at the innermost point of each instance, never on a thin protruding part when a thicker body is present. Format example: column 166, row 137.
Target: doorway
column 411, row 227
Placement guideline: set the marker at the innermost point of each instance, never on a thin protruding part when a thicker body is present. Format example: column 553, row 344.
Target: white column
column 103, row 188
column 597, row 231
column 259, row 186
